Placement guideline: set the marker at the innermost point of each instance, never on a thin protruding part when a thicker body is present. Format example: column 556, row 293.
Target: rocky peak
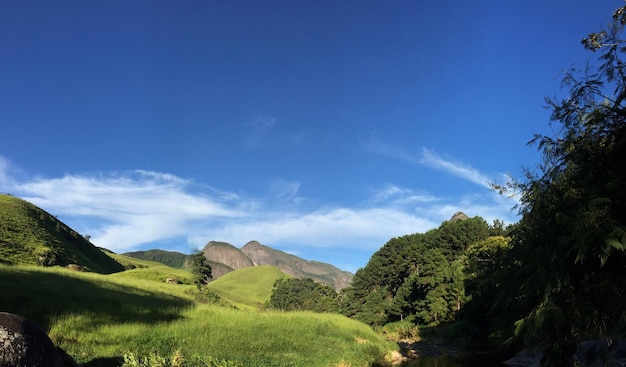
column 458, row 216
column 227, row 254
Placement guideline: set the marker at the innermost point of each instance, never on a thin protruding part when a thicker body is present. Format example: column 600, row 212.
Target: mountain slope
column 297, row 267
column 30, row 235
column 225, row 258
column 227, row 254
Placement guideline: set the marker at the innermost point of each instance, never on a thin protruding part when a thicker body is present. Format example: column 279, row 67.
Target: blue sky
column 321, row 128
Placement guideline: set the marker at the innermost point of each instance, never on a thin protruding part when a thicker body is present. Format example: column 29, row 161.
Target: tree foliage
column 201, row 269
column 568, row 254
column 303, row 295
column 416, row 276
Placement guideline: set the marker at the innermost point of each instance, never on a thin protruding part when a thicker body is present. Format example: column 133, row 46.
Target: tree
column 303, row 294
column 568, row 254
column 482, row 265
column 417, row 276
column 201, row 269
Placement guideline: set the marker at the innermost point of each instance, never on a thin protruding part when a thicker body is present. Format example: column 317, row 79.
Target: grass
column 30, row 235
column 100, row 318
column 248, row 287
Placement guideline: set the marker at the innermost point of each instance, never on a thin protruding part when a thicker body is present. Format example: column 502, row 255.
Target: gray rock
column 24, row 344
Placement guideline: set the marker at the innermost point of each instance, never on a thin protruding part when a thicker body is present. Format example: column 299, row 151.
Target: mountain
column 458, row 216
column 227, row 254
column 225, row 258
column 297, row 267
column 30, row 235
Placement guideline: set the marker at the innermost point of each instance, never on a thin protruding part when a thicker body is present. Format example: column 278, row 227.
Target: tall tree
column 569, row 252
column 201, row 269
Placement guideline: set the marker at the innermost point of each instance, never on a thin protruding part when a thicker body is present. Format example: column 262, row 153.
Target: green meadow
column 99, row 319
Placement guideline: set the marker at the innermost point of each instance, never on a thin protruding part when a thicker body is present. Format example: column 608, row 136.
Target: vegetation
column 169, row 258
column 564, row 271
column 303, row 295
column 551, row 281
column 99, row 319
column 201, row 270
column 417, row 277
column 248, row 288
column 30, row 235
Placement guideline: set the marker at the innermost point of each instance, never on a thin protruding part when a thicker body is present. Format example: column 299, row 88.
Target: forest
column 552, row 280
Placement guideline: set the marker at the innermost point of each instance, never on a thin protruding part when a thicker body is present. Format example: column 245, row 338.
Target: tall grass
column 100, row 318
column 248, row 287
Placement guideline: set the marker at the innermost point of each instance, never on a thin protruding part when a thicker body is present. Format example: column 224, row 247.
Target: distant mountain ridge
column 224, row 258
column 297, row 267
column 255, row 254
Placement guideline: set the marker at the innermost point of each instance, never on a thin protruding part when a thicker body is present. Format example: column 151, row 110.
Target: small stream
column 477, row 360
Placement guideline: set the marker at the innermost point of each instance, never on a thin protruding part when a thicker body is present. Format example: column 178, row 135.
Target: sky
column 322, row 128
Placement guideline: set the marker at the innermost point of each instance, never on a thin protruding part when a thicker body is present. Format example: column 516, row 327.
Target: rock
column 171, row 281
column 395, row 358
column 74, row 267
column 24, row 344
column 458, row 216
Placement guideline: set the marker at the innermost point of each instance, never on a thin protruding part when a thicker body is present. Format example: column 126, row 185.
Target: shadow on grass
column 44, row 296
column 104, row 362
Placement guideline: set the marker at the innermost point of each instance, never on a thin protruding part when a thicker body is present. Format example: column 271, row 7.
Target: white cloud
column 285, row 191
column 390, row 150
column 6, row 180
column 432, row 159
column 126, row 211
column 401, row 195
column 337, row 227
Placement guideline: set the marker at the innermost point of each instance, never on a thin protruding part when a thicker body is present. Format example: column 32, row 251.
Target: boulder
column 24, row 344
column 74, row 267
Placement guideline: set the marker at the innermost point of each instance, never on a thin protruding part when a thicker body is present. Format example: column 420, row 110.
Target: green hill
column 170, row 258
column 98, row 319
column 151, row 270
column 30, row 235
column 248, row 287
column 244, row 288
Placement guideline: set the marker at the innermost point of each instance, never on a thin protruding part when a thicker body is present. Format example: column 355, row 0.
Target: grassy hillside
column 169, row 258
column 30, row 235
column 100, row 318
column 248, row 287
column 150, row 270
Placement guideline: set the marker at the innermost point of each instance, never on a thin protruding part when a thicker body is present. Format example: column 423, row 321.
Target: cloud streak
column 432, row 159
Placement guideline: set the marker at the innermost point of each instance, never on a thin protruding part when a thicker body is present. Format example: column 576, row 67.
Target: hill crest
column 31, row 236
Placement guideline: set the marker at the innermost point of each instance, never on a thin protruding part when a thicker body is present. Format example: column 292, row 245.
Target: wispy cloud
column 402, row 195
column 285, row 191
column 390, row 150
column 432, row 159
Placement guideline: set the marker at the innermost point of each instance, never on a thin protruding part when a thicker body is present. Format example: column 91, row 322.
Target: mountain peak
column 458, row 216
